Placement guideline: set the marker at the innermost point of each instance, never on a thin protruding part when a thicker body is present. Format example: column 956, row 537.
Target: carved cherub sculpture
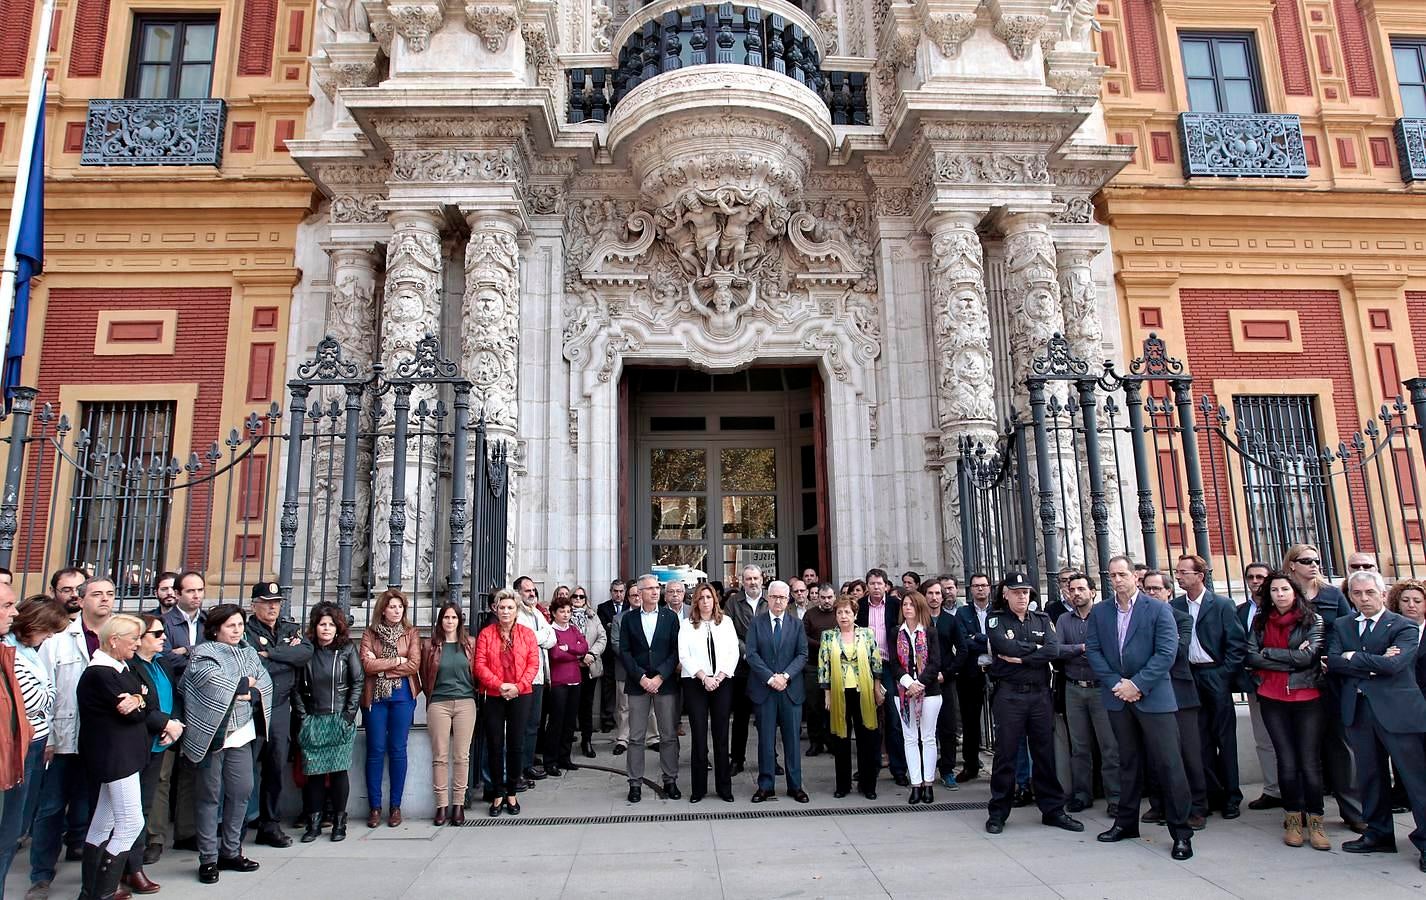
column 1080, row 21
column 702, row 221
column 733, row 247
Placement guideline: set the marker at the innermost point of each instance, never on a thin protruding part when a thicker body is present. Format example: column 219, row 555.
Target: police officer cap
column 1016, row 580
column 266, row 590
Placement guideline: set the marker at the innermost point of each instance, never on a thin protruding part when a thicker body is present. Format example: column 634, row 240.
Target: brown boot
column 1292, row 829
column 1316, row 834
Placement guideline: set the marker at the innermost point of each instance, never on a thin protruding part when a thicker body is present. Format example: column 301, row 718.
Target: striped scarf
column 911, row 652
column 210, row 688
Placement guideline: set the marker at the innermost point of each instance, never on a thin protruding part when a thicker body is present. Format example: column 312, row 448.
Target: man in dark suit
column 951, row 640
column 741, row 605
column 1185, row 692
column 1216, row 650
column 776, row 654
column 881, row 612
column 970, row 679
column 1131, row 644
column 608, row 682
column 1373, row 656
column 648, row 645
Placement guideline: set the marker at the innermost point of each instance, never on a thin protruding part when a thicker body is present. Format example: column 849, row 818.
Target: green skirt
column 326, row 743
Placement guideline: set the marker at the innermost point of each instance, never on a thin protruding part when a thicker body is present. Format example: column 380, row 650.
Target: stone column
column 1036, row 315
column 965, row 377
column 412, row 310
column 490, row 319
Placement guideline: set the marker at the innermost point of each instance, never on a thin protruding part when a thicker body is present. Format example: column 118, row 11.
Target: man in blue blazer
column 1373, row 656
column 776, row 654
column 648, row 645
column 1131, row 645
column 1217, row 647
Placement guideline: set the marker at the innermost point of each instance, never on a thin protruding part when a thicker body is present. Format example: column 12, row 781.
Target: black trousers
column 1190, row 746
column 742, row 713
column 587, row 687
column 323, row 792
column 1149, row 742
column 1022, row 712
column 868, row 747
column 946, row 730
column 814, row 711
column 891, row 728
column 1218, row 724
column 562, row 706
column 1296, row 732
column 1337, row 776
column 606, row 694
column 272, row 758
column 505, row 722
column 709, row 709
column 970, row 691
column 1374, row 748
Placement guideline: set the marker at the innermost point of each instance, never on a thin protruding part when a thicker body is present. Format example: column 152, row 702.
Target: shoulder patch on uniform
column 990, row 623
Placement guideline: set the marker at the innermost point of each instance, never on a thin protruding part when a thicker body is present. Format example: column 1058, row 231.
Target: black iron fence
column 379, row 476
column 1138, row 463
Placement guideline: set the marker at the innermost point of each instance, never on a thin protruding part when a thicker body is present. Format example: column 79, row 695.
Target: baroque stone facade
column 717, row 215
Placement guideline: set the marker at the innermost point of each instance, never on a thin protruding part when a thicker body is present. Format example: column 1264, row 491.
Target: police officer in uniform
column 1022, row 644
column 285, row 652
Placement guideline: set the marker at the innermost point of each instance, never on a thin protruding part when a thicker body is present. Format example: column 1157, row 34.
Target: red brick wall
column 67, row 357
column 1292, row 47
column 91, row 24
column 255, row 44
column 1142, row 35
column 1211, row 356
column 1416, row 310
column 1356, row 49
column 18, row 16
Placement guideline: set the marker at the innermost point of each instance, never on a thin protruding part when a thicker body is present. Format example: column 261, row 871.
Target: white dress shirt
column 1196, row 654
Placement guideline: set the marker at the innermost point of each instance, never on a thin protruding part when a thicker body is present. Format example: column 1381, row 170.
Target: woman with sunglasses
column 591, row 666
column 1303, row 565
column 155, row 672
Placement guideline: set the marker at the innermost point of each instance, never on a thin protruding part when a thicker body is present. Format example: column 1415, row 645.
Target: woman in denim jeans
column 391, row 658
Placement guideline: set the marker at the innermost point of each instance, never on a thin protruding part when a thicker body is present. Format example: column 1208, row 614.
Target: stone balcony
column 668, row 35
column 1411, row 149
column 154, row 133
column 1242, row 145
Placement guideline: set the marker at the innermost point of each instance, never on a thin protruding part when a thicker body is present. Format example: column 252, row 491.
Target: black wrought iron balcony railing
column 1411, row 149
column 726, row 35
column 154, row 133
column 1255, row 145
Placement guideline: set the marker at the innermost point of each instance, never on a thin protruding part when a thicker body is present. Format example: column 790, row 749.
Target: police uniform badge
column 992, row 621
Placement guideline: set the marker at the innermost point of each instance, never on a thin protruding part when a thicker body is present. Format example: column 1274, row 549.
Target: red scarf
column 913, row 663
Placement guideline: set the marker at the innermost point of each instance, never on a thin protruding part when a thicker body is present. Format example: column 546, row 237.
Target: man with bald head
column 776, row 655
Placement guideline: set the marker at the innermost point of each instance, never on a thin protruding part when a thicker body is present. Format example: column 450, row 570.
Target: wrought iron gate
column 388, row 481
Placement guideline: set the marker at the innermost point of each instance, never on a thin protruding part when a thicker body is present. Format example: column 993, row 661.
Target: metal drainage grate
column 801, row 812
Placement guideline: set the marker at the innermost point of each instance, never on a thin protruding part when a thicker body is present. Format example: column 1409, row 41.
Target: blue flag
column 30, row 261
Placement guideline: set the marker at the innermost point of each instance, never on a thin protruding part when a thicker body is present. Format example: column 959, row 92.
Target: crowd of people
column 187, row 718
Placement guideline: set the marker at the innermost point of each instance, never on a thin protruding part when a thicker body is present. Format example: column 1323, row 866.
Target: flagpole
column 22, row 174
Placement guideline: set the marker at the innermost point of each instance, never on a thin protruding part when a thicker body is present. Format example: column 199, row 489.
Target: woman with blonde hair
column 507, row 659
column 849, row 670
column 391, row 658
column 708, row 655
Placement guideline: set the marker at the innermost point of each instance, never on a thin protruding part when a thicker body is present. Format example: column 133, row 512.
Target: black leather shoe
column 1076, row 805
column 273, row 836
column 1356, row 825
column 1063, row 821
column 636, row 793
column 237, row 863
column 1023, row 797
column 928, row 794
column 671, row 791
column 513, row 808
column 727, row 798
column 208, row 873
column 994, row 826
column 1197, row 822
column 1423, row 860
column 760, row 795
column 1152, row 816
column 553, row 771
column 838, row 795
column 587, row 748
column 902, row 780
column 915, row 797
column 535, row 773
column 737, row 769
column 1369, row 845
column 1265, row 801
column 1231, row 812
column 870, row 795
column 1182, row 849
column 1117, row 833
column 497, row 806
column 695, row 798
column 799, row 795
column 619, row 749
column 654, row 746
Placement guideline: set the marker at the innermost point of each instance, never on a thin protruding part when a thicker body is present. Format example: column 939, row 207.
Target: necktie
column 1366, row 629
column 776, row 630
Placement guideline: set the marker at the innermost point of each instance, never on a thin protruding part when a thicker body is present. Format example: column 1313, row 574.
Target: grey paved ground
column 898, row 854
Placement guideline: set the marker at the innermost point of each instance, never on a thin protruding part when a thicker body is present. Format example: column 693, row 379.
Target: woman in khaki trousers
column 448, row 678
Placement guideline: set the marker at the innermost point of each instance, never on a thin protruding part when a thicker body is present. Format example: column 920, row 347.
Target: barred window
column 119, row 503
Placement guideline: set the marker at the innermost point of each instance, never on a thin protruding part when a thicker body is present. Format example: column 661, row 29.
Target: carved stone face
column 965, row 305
column 487, row 368
column 489, row 303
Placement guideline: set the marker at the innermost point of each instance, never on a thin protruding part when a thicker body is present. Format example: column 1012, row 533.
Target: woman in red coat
column 506, row 662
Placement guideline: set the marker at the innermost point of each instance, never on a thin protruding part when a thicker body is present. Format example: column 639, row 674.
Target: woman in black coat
column 915, row 664
column 162, row 716
column 114, row 745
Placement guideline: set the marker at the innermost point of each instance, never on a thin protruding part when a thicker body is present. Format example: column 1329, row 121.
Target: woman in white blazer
column 708, row 656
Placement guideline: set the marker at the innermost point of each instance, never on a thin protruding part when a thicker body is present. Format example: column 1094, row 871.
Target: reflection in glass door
column 678, row 500
column 747, row 481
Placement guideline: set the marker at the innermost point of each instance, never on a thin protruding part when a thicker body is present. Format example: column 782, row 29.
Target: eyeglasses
column 1361, row 567
column 1308, row 562
column 581, row 596
column 159, row 633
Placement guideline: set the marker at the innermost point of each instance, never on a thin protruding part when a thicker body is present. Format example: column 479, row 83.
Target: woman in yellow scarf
column 849, row 670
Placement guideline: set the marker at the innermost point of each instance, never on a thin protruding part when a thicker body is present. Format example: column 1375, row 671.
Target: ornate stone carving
column 415, row 22
column 407, row 128
column 335, row 17
column 545, row 199
column 1077, row 211
column 999, row 132
column 961, row 321
column 490, row 321
column 353, row 176
column 492, row 22
column 600, row 20
column 968, row 167
column 827, row 21
column 503, row 164
column 949, row 30
column 357, row 209
column 1080, row 303
column 412, row 305
column 1079, row 22
column 539, row 55
column 1032, row 293
column 1020, row 32
column 351, row 307
column 894, row 201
